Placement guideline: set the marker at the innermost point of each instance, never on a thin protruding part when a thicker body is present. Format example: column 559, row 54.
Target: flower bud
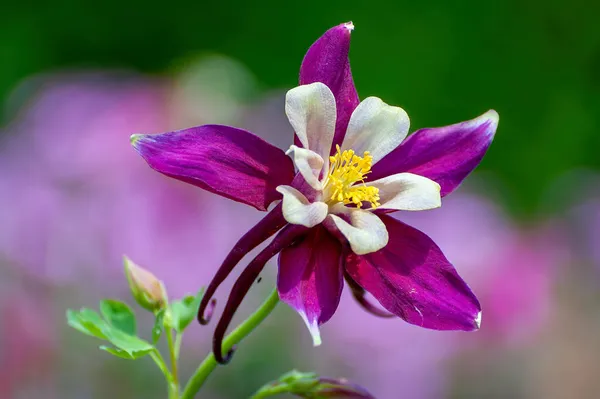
column 339, row 388
column 311, row 386
column 147, row 290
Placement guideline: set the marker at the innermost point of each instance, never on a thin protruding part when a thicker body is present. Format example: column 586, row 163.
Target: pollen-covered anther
column 346, row 179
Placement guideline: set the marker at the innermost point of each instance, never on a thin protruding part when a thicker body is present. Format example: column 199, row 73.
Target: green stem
column 173, row 391
column 178, row 338
column 242, row 331
column 158, row 359
column 173, row 357
column 160, row 362
column 265, row 392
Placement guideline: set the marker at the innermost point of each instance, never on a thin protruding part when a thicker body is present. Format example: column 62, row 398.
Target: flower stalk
column 269, row 391
column 173, row 387
column 158, row 359
column 235, row 337
column 174, row 383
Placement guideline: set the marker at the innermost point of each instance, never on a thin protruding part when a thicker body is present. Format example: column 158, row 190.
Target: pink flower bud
column 147, row 290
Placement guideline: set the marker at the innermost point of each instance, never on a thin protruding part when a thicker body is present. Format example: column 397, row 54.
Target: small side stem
column 158, row 359
column 160, row 362
column 242, row 331
column 265, row 392
column 178, row 338
column 173, row 357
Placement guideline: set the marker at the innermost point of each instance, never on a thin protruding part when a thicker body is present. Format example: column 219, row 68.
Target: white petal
column 407, row 192
column 298, row 210
column 309, row 164
column 312, row 113
column 365, row 232
column 376, row 127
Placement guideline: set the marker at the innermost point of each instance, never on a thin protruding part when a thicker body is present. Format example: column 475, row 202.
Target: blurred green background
column 536, row 62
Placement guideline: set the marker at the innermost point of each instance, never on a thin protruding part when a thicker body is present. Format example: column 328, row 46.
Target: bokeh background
column 77, row 79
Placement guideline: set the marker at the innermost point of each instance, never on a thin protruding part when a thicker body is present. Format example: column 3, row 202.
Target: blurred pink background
column 74, row 197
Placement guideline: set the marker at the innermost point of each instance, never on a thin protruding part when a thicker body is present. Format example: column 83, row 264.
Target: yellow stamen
column 345, row 170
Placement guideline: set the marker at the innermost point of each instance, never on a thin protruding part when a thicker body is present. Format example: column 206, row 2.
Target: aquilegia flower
column 353, row 168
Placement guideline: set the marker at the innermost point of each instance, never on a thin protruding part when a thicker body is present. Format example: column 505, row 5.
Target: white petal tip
column 316, row 334
column 313, row 328
column 492, row 118
column 316, row 339
column 477, row 321
column 438, row 200
column 349, row 26
column 492, row 115
column 134, row 138
column 291, row 149
column 298, row 210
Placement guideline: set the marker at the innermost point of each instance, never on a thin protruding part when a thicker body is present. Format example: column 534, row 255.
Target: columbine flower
column 354, row 167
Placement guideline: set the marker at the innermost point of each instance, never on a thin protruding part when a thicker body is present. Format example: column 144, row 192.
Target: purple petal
column 326, row 61
column 412, row 278
column 224, row 160
column 444, row 154
column 310, row 278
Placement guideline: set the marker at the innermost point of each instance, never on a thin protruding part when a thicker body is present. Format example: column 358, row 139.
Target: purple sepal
column 326, row 61
column 412, row 278
column 443, row 154
column 224, row 160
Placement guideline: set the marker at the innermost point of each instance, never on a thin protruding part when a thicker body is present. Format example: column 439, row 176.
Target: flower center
column 345, row 170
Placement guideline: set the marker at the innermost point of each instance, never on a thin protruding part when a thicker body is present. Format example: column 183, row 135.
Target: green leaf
column 123, row 353
column 116, row 352
column 158, row 326
column 88, row 322
column 182, row 312
column 126, row 345
column 119, row 315
column 73, row 321
column 135, row 347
